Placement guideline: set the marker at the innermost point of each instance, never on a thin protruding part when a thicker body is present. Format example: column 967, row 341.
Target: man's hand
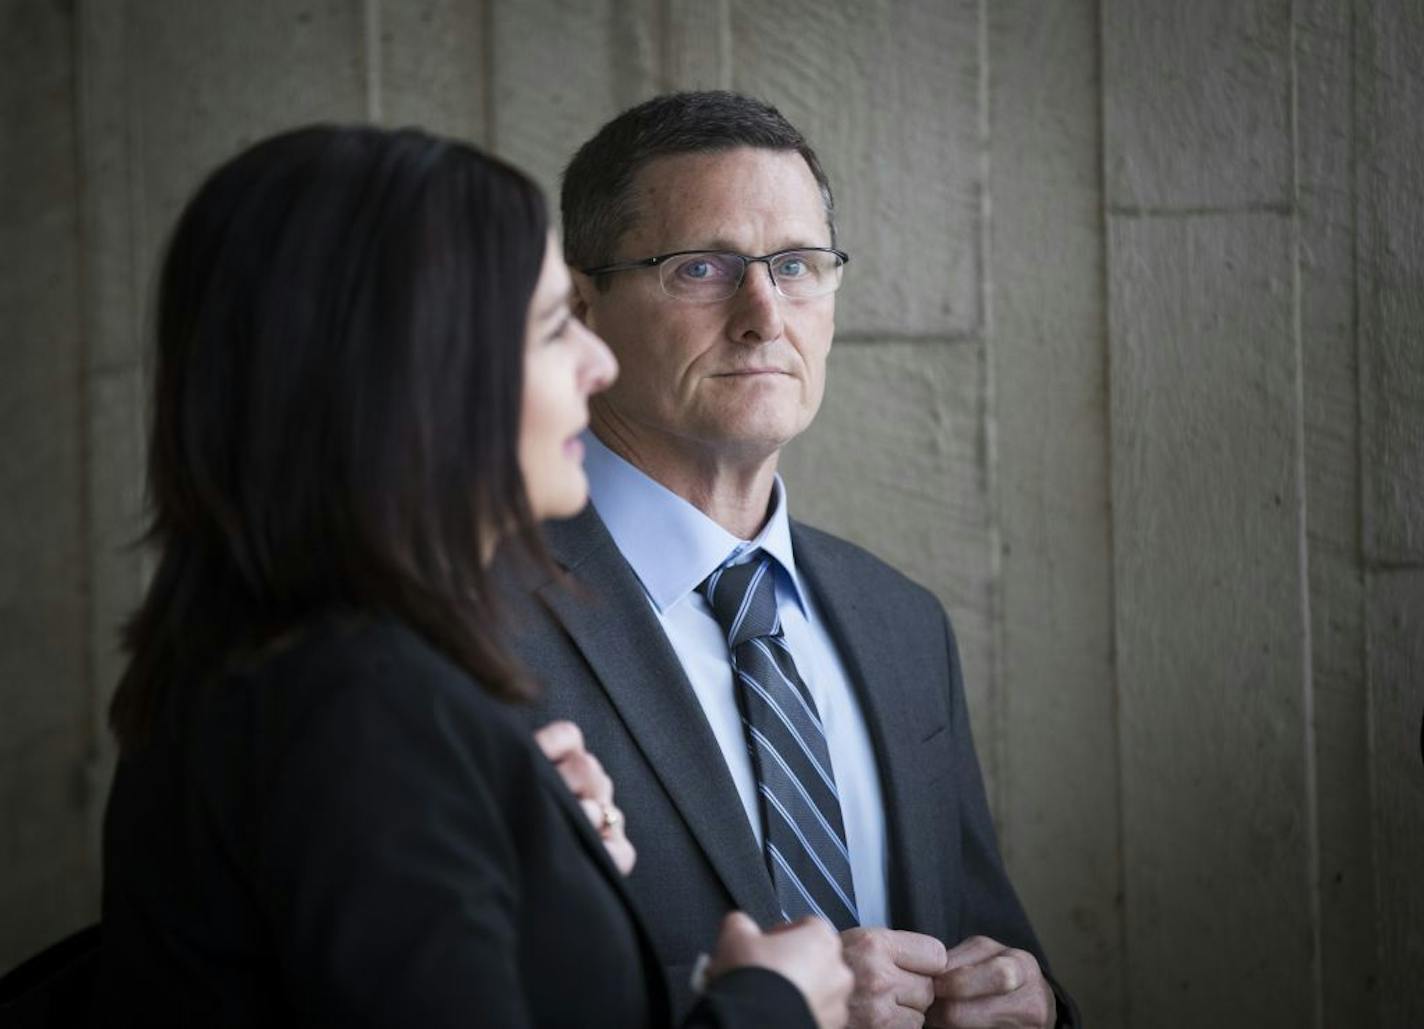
column 987, row 984
column 894, row 976
column 562, row 743
column 807, row 952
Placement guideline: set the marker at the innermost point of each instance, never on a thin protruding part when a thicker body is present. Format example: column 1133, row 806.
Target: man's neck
column 731, row 487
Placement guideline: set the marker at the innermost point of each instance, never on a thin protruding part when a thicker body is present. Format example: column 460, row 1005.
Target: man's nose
column 756, row 317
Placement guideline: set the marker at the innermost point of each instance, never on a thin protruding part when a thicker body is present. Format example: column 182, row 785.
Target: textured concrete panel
column 1197, row 103
column 47, row 883
column 697, row 44
column 206, row 79
column 1396, row 628
column 1211, row 638
column 433, row 66
column 1058, row 741
column 43, row 728
column 889, row 96
column 561, row 69
column 1391, row 263
column 1326, row 223
column 895, row 463
column 118, row 567
column 115, row 287
column 41, row 535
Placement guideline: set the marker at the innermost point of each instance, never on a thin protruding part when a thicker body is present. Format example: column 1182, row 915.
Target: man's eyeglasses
column 709, row 275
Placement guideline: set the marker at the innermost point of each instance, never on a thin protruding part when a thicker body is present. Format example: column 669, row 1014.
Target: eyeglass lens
column 715, row 275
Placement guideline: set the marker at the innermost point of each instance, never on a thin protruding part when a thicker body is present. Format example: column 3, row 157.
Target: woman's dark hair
column 340, row 334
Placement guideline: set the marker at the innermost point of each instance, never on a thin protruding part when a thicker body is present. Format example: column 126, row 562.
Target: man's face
column 741, row 376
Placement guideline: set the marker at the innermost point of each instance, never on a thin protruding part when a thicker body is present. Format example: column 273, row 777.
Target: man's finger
column 892, row 969
column 998, row 976
column 916, row 992
column 972, row 951
column 916, row 952
column 1030, row 1005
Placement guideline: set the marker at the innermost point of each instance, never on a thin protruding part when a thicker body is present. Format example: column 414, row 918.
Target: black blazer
column 353, row 833
column 593, row 641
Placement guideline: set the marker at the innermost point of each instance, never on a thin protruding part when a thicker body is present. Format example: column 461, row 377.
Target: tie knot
column 743, row 598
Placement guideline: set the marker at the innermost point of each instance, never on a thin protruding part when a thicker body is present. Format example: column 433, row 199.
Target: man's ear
column 581, row 303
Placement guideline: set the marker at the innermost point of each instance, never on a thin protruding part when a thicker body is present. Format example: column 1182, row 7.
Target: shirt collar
column 671, row 545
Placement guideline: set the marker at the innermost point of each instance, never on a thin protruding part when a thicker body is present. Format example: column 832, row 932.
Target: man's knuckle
column 877, row 946
column 1003, row 975
column 876, row 980
column 1023, row 958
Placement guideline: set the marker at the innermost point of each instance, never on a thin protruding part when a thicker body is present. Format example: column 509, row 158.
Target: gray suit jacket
column 592, row 641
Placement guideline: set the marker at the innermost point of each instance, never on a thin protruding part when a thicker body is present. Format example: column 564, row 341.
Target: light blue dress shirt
column 672, row 547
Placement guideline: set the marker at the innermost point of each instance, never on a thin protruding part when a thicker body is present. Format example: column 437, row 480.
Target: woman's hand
column 808, row 952
column 562, row 743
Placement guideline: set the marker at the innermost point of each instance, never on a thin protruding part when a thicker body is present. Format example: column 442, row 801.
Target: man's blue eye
column 791, row 268
column 703, row 269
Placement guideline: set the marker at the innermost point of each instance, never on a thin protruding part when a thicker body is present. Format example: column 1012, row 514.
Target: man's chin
column 752, row 440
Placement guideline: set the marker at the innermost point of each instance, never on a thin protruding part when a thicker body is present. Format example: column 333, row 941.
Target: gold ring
column 612, row 819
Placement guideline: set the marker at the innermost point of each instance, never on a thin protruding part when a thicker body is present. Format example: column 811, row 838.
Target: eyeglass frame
column 746, row 259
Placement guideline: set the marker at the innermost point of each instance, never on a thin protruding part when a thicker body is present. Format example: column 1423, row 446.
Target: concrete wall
column 1128, row 371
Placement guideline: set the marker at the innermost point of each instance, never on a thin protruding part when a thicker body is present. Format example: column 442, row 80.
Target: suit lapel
column 606, row 613
column 900, row 713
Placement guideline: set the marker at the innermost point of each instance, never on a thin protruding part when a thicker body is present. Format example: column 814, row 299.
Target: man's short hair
column 597, row 199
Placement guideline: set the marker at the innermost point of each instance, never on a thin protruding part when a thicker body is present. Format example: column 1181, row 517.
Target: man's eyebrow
column 721, row 243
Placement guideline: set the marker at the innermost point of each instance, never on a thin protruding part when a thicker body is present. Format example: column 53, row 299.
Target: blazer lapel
column 606, row 613
column 598, row 854
column 900, row 714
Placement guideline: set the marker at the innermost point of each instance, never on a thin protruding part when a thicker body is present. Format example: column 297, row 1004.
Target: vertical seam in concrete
column 663, row 12
column 487, row 42
column 137, row 221
column 371, row 26
column 84, row 276
column 1312, row 791
column 724, row 44
column 1125, row 979
column 1361, row 36
column 990, row 456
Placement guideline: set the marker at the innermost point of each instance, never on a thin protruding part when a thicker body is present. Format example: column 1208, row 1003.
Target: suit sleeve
column 383, row 861
column 989, row 905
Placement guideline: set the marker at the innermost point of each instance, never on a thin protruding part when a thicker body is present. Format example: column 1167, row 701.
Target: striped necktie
column 802, row 831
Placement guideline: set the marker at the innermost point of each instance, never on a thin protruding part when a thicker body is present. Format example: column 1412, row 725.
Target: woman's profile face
column 563, row 363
